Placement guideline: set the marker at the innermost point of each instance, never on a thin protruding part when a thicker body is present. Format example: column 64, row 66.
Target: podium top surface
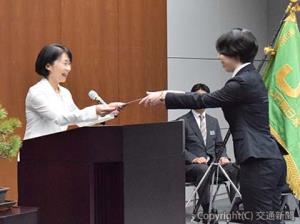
column 107, row 143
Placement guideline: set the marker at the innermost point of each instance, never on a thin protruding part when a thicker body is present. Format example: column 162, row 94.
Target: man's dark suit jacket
column 244, row 101
column 194, row 143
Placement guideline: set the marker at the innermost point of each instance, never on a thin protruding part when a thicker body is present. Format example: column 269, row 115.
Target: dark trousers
column 194, row 173
column 261, row 181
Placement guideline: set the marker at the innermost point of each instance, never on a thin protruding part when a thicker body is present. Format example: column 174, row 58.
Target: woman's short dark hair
column 48, row 55
column 239, row 43
column 199, row 86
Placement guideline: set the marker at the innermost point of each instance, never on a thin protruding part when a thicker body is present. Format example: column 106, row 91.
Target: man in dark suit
column 244, row 101
column 202, row 133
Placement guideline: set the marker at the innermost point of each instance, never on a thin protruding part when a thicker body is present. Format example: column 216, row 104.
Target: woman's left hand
column 114, row 108
column 117, row 105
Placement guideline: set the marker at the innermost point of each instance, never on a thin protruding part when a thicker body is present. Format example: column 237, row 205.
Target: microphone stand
column 213, row 169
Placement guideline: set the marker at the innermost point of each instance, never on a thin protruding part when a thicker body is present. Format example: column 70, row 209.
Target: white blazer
column 49, row 112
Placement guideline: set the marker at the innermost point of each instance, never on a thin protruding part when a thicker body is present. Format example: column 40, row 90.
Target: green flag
column 282, row 79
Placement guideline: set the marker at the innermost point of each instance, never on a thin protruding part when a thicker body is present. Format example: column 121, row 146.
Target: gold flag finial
column 291, row 10
column 269, row 51
column 293, row 6
column 288, row 8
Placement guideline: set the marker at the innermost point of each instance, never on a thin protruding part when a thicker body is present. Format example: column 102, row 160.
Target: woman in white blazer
column 49, row 106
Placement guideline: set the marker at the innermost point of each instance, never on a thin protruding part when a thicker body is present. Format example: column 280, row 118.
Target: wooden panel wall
column 119, row 49
column 142, row 55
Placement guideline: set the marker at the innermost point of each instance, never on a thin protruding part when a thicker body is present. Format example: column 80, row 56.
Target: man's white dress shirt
column 49, row 112
column 198, row 120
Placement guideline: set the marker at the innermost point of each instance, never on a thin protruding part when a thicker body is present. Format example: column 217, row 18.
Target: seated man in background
column 202, row 132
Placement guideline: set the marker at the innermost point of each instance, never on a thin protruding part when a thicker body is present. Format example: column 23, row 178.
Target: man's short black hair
column 199, row 86
column 48, row 55
column 240, row 43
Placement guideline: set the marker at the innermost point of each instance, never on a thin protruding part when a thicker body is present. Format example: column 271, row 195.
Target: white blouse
column 49, row 112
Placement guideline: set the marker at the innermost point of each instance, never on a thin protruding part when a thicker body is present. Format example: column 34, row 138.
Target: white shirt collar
column 196, row 114
column 237, row 69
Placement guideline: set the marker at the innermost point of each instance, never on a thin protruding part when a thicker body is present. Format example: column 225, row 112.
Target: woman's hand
column 118, row 105
column 114, row 107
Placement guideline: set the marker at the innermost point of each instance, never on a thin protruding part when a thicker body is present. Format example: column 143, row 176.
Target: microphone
column 94, row 96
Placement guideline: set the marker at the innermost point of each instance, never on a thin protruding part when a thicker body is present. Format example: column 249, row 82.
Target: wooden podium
column 131, row 174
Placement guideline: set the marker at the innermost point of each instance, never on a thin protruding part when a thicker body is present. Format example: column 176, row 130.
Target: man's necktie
column 203, row 127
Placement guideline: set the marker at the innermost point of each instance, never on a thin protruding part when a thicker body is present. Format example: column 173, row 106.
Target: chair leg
column 228, row 191
column 297, row 210
column 215, row 194
column 196, row 208
column 195, row 200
